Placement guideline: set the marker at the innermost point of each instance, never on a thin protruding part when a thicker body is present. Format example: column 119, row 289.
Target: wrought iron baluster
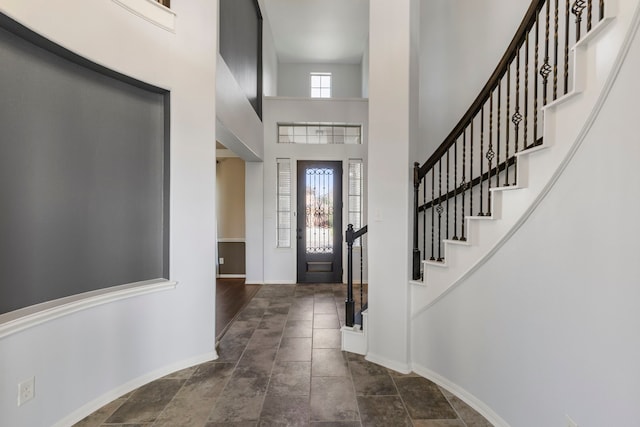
column 447, row 196
column 545, row 70
column 525, row 125
column 471, row 169
column 439, row 210
column 536, row 84
column 433, row 201
column 490, row 153
column 566, row 48
column 589, row 14
column 517, row 117
column 361, row 278
column 463, row 184
column 481, row 213
column 455, row 190
column 601, row 9
column 555, row 52
column 576, row 9
column 506, row 169
column 424, row 217
column 498, row 134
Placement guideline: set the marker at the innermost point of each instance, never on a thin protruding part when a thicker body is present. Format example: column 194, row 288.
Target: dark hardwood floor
column 231, row 296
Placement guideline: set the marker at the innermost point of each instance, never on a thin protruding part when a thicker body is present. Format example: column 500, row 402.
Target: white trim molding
column 24, row 318
column 112, row 395
column 232, row 276
column 468, row 398
column 152, row 11
column 231, row 239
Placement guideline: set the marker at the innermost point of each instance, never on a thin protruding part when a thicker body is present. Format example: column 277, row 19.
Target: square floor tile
column 298, row 328
column 327, row 338
column 333, row 399
column 326, row 321
column 328, row 362
column 290, row 379
column 295, row 350
column 383, row 411
column 423, row 399
column 292, row 411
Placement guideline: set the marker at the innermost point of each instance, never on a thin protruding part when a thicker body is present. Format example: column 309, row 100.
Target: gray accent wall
column 83, row 178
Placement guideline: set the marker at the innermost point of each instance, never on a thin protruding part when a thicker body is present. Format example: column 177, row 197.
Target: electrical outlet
column 26, row 391
column 221, row 261
column 570, row 422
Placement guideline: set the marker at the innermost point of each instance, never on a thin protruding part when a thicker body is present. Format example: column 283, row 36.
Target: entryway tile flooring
column 280, row 364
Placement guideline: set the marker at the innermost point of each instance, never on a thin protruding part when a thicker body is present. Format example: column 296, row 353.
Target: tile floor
column 280, row 364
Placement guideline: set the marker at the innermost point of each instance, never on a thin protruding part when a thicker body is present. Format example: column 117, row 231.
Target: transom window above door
column 321, row 85
column 319, row 133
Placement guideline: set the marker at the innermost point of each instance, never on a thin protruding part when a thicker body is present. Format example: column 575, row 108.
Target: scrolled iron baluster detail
column 589, row 14
column 490, row 156
column 577, row 9
column 546, row 69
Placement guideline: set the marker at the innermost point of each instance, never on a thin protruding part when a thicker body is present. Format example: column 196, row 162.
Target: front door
column 319, row 227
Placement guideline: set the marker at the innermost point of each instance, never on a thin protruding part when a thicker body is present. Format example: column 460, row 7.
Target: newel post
column 416, row 250
column 349, row 303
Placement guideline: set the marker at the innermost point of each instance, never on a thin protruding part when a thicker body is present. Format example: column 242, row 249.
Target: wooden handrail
column 527, row 23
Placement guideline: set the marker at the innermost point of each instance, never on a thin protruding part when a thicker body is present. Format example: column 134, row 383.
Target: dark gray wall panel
column 82, row 178
column 241, row 46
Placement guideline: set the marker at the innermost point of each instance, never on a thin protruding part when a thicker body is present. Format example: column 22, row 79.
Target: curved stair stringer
column 597, row 58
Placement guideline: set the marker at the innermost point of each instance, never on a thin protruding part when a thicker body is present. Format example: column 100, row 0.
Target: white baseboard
column 403, row 368
column 468, row 398
column 280, row 282
column 114, row 394
column 231, row 276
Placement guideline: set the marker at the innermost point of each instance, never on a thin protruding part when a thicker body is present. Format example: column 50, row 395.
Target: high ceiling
column 319, row 31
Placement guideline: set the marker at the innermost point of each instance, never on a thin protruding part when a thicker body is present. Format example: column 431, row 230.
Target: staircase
column 507, row 188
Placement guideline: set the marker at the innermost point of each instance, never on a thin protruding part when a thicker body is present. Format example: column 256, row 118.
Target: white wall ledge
column 28, row 317
column 152, row 11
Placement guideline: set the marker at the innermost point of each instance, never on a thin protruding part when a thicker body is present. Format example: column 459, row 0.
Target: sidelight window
column 284, row 203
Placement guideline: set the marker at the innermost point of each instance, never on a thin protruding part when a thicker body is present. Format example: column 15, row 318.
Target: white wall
column 461, row 44
column 365, row 71
column 110, row 348
column 294, row 79
column 390, row 178
column 254, row 222
column 280, row 263
column 549, row 325
column 238, row 126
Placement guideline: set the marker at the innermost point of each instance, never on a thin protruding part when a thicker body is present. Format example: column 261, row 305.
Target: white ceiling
column 319, row 31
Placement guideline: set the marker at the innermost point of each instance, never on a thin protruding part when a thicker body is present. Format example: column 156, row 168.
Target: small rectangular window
column 321, row 85
column 284, row 203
